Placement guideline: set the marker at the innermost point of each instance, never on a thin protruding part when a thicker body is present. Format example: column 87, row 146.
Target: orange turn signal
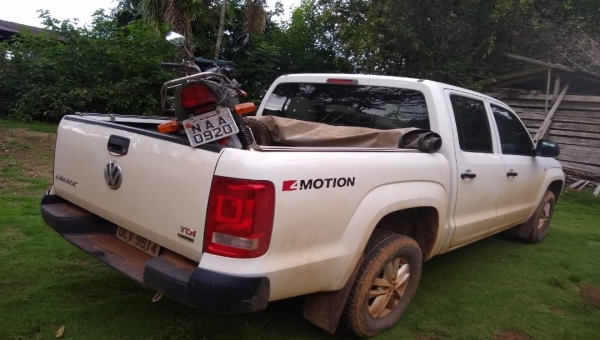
column 170, row 126
column 244, row 108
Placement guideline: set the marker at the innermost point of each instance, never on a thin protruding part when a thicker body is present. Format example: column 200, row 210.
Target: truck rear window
column 349, row 105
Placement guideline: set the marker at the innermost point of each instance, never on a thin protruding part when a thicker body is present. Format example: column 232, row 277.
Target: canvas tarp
column 293, row 132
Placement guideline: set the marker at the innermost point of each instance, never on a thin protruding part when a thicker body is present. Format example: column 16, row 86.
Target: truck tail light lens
column 239, row 220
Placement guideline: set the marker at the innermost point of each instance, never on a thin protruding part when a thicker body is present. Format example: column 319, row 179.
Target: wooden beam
column 556, row 87
column 548, row 89
column 539, row 62
column 503, row 77
column 576, row 184
column 584, row 185
column 546, row 125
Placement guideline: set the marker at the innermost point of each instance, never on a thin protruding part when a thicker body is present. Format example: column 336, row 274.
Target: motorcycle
column 206, row 102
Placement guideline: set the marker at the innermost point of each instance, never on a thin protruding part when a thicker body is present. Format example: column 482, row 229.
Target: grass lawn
column 477, row 292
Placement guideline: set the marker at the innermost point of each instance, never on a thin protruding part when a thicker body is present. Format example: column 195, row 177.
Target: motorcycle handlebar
column 201, row 60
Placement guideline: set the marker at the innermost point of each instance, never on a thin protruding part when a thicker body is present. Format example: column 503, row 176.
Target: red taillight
column 197, row 98
column 239, row 220
column 342, row 81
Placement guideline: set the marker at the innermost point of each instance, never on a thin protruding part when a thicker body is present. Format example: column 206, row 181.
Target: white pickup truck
column 230, row 230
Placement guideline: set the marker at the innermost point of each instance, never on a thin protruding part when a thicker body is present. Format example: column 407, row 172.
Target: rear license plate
column 138, row 242
column 210, row 127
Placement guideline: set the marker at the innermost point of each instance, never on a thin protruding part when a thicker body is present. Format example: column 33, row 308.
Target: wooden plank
column 584, row 185
column 543, row 97
column 579, row 150
column 578, row 120
column 559, row 125
column 559, row 113
column 597, row 191
column 532, row 123
column 575, row 134
column 510, row 76
column 530, row 116
column 576, row 184
column 546, row 124
column 548, row 88
column 576, row 141
column 581, row 167
column 556, row 87
column 581, row 159
column 540, row 104
column 539, row 62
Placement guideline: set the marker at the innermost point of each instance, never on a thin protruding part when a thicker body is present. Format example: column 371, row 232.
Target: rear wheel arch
column 556, row 188
column 419, row 223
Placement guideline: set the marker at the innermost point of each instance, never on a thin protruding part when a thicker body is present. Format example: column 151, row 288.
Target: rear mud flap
column 324, row 310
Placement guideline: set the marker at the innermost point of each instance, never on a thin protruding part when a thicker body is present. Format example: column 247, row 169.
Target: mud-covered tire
column 536, row 228
column 363, row 315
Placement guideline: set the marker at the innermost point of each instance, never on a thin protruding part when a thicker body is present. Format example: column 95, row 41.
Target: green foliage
column 104, row 68
column 462, row 41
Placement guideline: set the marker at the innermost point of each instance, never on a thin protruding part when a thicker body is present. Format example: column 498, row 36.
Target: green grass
column 472, row 293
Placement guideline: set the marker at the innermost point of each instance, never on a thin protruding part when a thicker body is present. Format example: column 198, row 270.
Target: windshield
column 349, row 105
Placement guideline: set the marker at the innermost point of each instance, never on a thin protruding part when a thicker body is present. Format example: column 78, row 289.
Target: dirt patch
column 590, row 294
column 557, row 310
column 511, row 335
column 27, row 152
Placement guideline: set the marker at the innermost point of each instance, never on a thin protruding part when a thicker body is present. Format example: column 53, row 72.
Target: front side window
column 472, row 124
column 514, row 138
column 349, row 105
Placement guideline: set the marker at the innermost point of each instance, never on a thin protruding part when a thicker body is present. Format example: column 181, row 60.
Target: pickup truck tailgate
column 164, row 185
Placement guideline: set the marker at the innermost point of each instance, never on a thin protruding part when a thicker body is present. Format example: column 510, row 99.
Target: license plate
column 138, row 242
column 210, row 127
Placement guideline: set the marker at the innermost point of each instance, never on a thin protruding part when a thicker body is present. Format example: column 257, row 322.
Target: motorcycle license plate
column 210, row 127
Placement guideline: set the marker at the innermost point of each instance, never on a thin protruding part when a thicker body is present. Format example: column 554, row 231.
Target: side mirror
column 241, row 42
column 175, row 38
column 547, row 148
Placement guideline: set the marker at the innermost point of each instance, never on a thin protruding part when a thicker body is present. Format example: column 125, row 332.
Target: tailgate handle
column 118, row 145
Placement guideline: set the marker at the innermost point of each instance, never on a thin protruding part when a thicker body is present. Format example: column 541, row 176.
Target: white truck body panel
column 160, row 181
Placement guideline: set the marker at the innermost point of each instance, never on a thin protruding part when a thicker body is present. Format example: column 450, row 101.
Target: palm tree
column 181, row 13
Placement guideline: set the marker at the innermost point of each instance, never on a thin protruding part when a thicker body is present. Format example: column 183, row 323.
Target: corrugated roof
column 13, row 27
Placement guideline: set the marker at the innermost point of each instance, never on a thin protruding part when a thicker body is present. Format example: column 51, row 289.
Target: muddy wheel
column 536, row 228
column 385, row 284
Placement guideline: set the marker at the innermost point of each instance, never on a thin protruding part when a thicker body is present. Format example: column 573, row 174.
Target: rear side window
column 472, row 124
column 349, row 105
column 514, row 137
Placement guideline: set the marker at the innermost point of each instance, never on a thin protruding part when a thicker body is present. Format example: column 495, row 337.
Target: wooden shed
column 558, row 103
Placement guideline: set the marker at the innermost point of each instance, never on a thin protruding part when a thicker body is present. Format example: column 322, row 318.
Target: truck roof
column 299, row 77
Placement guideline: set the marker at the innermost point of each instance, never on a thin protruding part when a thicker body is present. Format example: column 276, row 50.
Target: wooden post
column 546, row 124
column 556, row 86
column 597, row 191
column 548, row 90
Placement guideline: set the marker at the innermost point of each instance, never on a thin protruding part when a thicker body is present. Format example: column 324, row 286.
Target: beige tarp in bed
column 300, row 133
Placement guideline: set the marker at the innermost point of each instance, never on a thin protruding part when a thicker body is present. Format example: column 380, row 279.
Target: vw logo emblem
column 113, row 175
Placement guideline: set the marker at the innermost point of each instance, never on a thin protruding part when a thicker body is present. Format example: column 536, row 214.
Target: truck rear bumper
column 169, row 273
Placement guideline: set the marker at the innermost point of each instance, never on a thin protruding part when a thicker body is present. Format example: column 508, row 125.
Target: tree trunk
column 221, row 28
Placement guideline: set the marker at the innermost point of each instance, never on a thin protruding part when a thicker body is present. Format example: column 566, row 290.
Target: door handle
column 468, row 175
column 512, row 174
column 118, row 145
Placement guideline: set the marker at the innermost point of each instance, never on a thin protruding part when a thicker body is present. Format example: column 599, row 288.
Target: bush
column 103, row 68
